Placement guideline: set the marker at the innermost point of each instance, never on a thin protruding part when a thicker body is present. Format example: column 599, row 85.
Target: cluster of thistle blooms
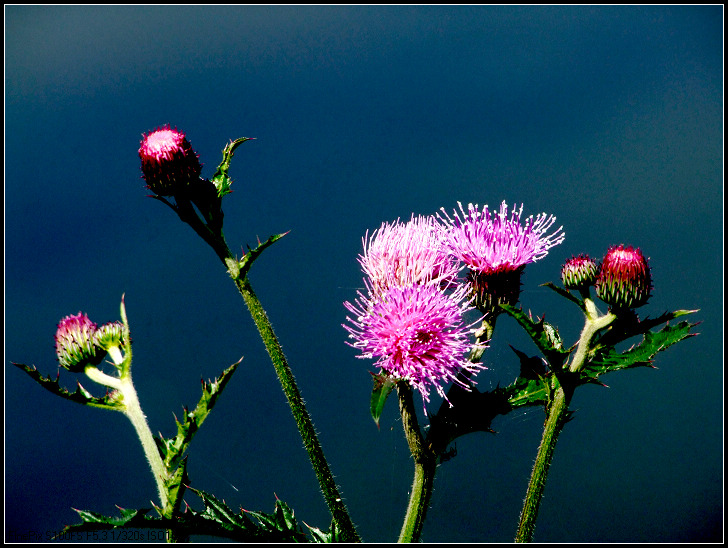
column 81, row 343
column 410, row 316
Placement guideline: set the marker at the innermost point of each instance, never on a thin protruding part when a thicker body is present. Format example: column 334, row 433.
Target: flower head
column 624, row 279
column 168, row 162
column 76, row 343
column 403, row 254
column 579, row 272
column 415, row 333
column 496, row 248
column 490, row 243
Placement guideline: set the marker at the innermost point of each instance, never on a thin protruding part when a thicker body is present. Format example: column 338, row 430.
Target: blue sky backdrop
column 609, row 118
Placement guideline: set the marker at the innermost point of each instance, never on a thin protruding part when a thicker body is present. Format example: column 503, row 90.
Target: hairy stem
column 554, row 423
column 425, row 466
column 303, row 421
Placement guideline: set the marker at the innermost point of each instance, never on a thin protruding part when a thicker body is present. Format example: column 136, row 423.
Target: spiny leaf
column 641, row 354
column 247, row 261
column 279, row 526
column 173, row 450
column 81, row 395
column 539, row 333
column 332, row 535
column 220, row 179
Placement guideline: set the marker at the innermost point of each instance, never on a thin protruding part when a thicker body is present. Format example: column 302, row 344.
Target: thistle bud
column 169, row 165
column 624, row 279
column 579, row 272
column 109, row 337
column 76, row 343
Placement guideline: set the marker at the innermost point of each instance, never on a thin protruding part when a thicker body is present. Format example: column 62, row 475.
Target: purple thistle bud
column 415, row 333
column 403, row 254
column 624, row 279
column 76, row 344
column 579, row 272
column 169, row 164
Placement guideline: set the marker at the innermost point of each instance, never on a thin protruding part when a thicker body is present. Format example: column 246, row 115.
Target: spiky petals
column 499, row 242
column 76, row 343
column 169, row 164
column 497, row 248
column 403, row 254
column 624, row 279
column 415, row 333
column 579, row 272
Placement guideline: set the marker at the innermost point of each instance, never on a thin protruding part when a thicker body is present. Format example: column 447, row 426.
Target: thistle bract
column 169, row 165
column 76, row 343
column 579, row 272
column 624, row 279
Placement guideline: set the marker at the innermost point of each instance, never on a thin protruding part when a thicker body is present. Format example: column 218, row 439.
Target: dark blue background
column 608, row 117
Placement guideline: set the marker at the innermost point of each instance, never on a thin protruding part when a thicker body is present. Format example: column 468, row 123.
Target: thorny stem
column 306, row 429
column 558, row 413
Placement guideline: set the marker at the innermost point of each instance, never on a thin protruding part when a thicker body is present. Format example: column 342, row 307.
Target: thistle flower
column 403, row 254
column 169, row 164
column 624, row 279
column 496, row 248
column 579, row 272
column 415, row 333
column 76, row 343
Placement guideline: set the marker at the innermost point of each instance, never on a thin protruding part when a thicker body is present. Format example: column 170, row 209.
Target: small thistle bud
column 624, row 279
column 109, row 335
column 76, row 343
column 579, row 272
column 169, row 164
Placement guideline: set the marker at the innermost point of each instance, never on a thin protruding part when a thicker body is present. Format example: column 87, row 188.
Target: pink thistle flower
column 494, row 243
column 624, row 279
column 404, row 254
column 76, row 343
column 496, row 248
column 168, row 162
column 415, row 333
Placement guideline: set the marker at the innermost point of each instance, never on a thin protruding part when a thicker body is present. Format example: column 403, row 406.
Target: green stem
column 134, row 413
column 216, row 240
column 303, row 421
column 554, row 423
column 425, row 467
column 557, row 416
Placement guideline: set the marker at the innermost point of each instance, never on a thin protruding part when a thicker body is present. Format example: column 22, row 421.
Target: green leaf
column 383, row 385
column 332, row 535
column 280, row 526
column 81, row 395
column 173, row 450
column 216, row 519
column 608, row 359
column 247, row 261
column 532, row 386
column 542, row 335
column 221, row 180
